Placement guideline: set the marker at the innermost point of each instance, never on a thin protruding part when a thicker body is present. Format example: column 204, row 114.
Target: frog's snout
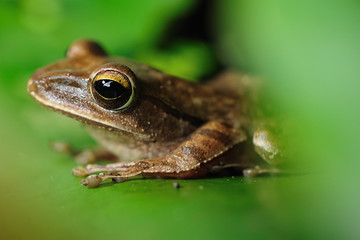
column 31, row 87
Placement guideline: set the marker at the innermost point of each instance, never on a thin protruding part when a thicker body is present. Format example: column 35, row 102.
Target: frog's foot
column 257, row 170
column 83, row 157
column 94, row 180
column 118, row 172
column 268, row 145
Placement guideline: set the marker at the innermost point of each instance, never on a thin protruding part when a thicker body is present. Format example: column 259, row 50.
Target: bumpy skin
column 173, row 128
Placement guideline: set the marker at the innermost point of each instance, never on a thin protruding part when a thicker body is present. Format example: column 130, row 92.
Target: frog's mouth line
column 104, row 125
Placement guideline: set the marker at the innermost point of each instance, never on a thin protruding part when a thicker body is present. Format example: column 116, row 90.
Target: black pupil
column 109, row 88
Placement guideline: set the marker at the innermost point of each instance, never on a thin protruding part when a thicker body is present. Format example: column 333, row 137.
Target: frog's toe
column 257, row 170
column 80, row 172
column 85, row 157
column 250, row 172
column 62, row 147
column 92, row 181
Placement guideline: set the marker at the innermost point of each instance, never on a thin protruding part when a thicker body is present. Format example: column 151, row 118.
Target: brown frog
column 153, row 123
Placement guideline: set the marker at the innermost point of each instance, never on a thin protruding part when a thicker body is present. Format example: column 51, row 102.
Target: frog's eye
column 113, row 88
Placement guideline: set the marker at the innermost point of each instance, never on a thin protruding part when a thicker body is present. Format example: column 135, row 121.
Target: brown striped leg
column 204, row 145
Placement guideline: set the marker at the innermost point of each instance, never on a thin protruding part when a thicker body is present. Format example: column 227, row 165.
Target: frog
column 152, row 123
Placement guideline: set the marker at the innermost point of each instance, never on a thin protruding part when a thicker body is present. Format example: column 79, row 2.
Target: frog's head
column 92, row 87
column 88, row 86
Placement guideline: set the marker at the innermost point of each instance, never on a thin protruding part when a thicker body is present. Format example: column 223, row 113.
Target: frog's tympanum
column 154, row 124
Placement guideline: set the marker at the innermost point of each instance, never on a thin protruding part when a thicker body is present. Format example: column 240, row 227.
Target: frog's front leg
column 186, row 161
column 85, row 156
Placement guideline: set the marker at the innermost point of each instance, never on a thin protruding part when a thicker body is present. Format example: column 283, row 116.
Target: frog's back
column 223, row 97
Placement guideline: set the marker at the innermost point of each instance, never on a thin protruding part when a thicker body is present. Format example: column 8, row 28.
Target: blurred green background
column 309, row 54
